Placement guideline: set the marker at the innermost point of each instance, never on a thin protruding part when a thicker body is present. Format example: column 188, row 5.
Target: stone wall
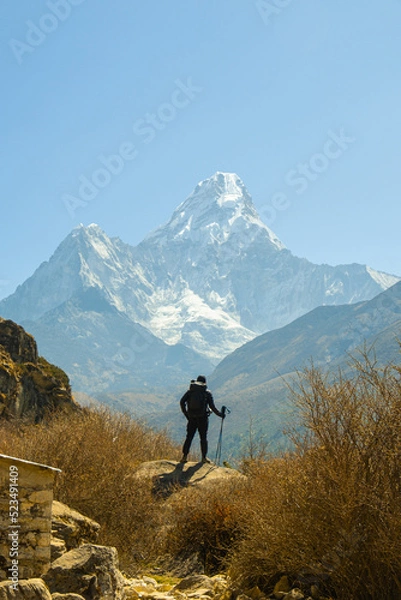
column 26, row 496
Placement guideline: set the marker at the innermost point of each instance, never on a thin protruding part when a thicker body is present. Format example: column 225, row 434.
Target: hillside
column 102, row 349
column 123, row 320
column 254, row 380
column 321, row 522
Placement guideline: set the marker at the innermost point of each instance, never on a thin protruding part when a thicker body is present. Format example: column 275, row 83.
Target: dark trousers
column 199, row 424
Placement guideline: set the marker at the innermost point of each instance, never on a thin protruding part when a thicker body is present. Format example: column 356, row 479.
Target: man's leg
column 191, row 430
column 203, row 425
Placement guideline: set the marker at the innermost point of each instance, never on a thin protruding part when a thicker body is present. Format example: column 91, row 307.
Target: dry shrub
column 332, row 509
column 203, row 521
column 273, row 522
column 97, row 451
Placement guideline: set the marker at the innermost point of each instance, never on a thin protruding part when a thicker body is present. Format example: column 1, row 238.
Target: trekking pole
column 225, row 411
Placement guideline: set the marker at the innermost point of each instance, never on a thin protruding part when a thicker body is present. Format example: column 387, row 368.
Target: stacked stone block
column 26, row 496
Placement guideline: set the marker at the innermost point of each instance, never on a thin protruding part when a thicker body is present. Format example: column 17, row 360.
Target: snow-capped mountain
column 222, row 276
column 219, row 210
column 211, row 279
column 191, row 259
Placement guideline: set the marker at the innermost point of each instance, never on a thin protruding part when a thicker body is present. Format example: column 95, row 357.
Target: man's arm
column 212, row 405
column 183, row 404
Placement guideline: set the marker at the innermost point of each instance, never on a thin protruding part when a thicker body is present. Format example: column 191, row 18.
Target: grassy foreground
column 330, row 510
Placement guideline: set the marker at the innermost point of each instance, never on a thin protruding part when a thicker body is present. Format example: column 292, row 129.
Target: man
column 196, row 405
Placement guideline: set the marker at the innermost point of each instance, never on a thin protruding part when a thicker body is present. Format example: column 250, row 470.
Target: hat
column 201, row 379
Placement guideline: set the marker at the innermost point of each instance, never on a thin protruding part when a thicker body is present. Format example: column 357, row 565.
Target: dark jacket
column 208, row 405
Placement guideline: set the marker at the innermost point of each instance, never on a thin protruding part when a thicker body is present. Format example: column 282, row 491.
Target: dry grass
column 97, row 451
column 329, row 512
column 203, row 521
column 332, row 509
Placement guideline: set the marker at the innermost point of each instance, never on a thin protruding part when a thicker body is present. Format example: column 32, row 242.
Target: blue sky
column 299, row 98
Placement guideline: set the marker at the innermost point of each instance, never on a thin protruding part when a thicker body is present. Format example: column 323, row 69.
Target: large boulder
column 169, row 476
column 25, row 589
column 72, row 527
column 90, row 570
column 30, row 387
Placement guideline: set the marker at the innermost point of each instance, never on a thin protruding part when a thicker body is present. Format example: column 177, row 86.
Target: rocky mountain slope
column 101, row 348
column 117, row 317
column 29, row 385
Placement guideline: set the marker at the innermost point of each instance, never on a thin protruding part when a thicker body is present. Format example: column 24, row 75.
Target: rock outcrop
column 71, row 528
column 169, row 476
column 90, row 570
column 30, row 387
column 20, row 345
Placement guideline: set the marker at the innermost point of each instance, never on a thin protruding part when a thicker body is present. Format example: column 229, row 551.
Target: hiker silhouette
column 197, row 404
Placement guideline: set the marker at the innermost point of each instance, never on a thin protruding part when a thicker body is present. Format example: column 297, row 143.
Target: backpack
column 197, row 402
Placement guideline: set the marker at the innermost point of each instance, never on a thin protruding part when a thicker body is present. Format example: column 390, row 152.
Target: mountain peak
column 223, row 188
column 219, row 207
column 211, row 279
column 91, row 230
column 91, row 238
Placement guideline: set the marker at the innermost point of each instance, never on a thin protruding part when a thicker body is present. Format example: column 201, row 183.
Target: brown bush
column 203, row 521
column 332, row 510
column 97, row 451
column 329, row 512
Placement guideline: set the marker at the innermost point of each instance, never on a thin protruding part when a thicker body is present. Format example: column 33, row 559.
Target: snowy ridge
column 212, row 278
column 383, row 279
column 217, row 208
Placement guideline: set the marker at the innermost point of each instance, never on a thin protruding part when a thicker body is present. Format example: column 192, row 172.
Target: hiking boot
column 206, row 460
column 184, row 458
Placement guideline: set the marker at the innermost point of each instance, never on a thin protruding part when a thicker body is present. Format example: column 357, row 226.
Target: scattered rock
column 73, row 527
column 89, row 570
column 282, row 587
column 184, row 564
column 57, row 596
column 57, row 548
column 149, row 581
column 27, row 589
column 193, row 587
column 254, row 593
column 194, row 582
column 294, row 594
